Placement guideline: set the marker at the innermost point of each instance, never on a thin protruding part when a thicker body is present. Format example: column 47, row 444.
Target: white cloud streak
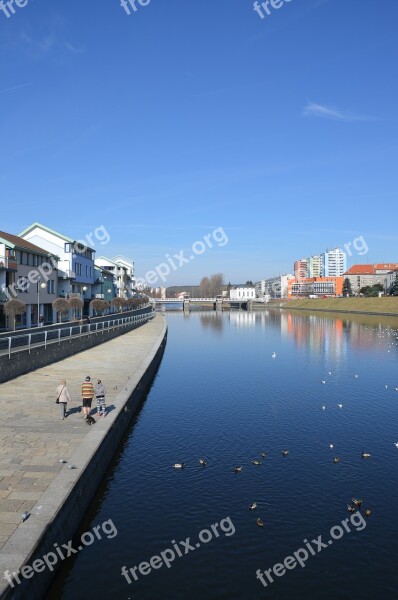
column 329, row 112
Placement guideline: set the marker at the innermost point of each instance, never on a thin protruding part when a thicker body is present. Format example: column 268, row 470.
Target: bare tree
column 61, row 305
column 118, row 303
column 76, row 304
column 216, row 284
column 14, row 307
column 204, row 287
column 99, row 305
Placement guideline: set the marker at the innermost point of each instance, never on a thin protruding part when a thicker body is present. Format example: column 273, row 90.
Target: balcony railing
column 8, row 263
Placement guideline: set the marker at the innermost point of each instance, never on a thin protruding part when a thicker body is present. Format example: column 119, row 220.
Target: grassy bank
column 362, row 305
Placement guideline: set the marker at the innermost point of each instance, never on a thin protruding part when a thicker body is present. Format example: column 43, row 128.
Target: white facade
column 76, row 261
column 123, row 273
column 128, row 264
column 334, row 263
column 242, row 294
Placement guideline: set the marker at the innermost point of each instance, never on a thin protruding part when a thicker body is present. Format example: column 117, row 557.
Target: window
column 67, row 247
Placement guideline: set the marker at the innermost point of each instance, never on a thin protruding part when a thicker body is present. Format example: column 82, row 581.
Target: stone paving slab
column 33, row 438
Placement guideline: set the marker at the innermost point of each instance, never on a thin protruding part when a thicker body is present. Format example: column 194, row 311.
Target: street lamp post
column 84, row 288
column 42, row 286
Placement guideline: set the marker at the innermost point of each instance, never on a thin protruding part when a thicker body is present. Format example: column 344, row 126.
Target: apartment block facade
column 76, row 275
column 29, row 273
column 333, row 263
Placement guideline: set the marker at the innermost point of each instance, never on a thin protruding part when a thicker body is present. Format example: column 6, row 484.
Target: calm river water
column 220, row 395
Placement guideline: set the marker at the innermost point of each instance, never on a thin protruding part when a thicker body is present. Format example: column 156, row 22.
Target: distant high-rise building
column 333, row 263
column 300, row 268
column 314, row 266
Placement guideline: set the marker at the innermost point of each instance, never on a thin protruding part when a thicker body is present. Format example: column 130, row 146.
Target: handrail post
column 45, row 340
column 59, row 336
column 70, row 334
column 9, row 347
column 30, row 340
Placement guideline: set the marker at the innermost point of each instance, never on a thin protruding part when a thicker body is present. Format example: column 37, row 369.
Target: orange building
column 315, row 286
column 301, row 268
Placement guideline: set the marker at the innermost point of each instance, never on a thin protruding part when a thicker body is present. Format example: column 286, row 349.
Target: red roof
column 361, row 270
column 386, row 266
column 21, row 243
column 371, row 269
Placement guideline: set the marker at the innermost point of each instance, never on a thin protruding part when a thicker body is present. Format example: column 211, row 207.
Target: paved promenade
column 33, row 438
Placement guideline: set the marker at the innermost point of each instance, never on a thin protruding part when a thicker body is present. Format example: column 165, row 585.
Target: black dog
column 90, row 420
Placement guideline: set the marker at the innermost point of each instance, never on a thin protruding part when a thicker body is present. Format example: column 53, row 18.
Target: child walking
column 100, row 392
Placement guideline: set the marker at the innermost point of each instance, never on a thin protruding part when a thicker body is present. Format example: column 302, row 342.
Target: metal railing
column 19, row 343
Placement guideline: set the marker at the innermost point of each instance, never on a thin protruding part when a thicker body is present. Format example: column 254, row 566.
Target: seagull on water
column 340, row 405
column 274, row 355
column 323, row 407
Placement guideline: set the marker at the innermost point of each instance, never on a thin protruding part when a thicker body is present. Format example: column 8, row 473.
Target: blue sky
column 189, row 115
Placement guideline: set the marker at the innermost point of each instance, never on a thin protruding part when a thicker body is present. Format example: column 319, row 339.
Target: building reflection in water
column 333, row 335
column 242, row 318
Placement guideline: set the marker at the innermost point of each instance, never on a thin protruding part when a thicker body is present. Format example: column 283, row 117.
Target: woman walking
column 63, row 397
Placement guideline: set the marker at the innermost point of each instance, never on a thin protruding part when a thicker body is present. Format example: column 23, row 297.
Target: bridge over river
column 215, row 303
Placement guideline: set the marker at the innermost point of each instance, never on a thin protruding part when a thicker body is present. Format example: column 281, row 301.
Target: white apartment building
column 333, row 263
column 242, row 294
column 76, row 261
column 124, row 262
column 123, row 273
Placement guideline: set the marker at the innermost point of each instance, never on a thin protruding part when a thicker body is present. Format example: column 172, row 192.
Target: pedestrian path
column 33, row 438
